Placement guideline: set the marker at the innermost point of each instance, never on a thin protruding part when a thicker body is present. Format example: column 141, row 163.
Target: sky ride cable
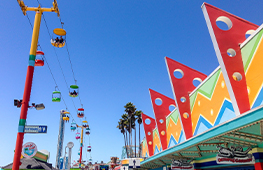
column 62, row 23
column 60, row 67
column 51, row 72
column 48, row 64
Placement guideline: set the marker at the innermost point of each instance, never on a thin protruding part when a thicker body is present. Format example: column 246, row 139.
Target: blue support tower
column 60, row 139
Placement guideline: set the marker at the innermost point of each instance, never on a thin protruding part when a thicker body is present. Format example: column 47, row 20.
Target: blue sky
column 117, row 49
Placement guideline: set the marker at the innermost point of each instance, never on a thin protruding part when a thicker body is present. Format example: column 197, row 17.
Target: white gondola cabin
column 85, row 123
column 56, row 96
column 89, row 149
column 39, row 61
column 74, row 91
column 73, row 126
column 80, row 113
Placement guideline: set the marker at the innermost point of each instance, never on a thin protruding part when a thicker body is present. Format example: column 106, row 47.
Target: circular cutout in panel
column 150, row 142
column 231, row 52
column 149, row 133
column 183, row 99
column 197, row 82
column 158, row 101
column 162, row 132
column 161, row 121
column 237, row 76
column 185, row 115
column 212, row 112
column 178, row 73
column 198, row 103
column 249, row 32
column 224, row 23
column 147, row 121
column 171, row 107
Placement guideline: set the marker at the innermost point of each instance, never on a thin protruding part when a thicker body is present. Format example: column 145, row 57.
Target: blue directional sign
column 35, row 129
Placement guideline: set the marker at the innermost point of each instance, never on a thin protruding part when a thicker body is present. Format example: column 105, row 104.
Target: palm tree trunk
column 130, row 139
column 139, row 141
column 135, row 139
column 126, row 144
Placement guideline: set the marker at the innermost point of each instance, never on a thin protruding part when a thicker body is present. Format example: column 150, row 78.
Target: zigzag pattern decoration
column 156, row 140
column 226, row 44
column 254, row 69
column 226, row 110
column 145, row 148
column 156, row 150
column 249, row 49
column 174, row 127
column 172, row 141
column 209, row 104
column 259, row 99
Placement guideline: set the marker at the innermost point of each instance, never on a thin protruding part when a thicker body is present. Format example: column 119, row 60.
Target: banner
column 234, row 155
column 178, row 164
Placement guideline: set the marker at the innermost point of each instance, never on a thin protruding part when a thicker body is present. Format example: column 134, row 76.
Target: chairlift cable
column 59, row 64
column 73, row 71
column 62, row 23
column 49, row 66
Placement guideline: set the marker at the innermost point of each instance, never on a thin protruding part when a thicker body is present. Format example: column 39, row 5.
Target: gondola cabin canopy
column 56, row 96
column 73, row 126
column 89, row 149
column 80, row 113
column 84, row 123
column 77, row 135
column 60, row 39
column 74, row 91
column 59, row 32
column 39, row 61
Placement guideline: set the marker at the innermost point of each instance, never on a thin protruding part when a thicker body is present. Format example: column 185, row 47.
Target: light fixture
column 40, row 106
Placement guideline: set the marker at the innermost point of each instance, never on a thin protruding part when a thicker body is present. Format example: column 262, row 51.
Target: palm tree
column 122, row 126
column 139, row 120
column 126, row 124
column 130, row 110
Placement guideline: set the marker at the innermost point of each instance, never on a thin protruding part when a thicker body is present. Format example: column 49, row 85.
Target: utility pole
column 29, row 76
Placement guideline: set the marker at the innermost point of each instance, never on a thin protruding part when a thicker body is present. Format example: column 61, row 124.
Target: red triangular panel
column 161, row 112
column 182, row 88
column 223, row 41
column 148, row 129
